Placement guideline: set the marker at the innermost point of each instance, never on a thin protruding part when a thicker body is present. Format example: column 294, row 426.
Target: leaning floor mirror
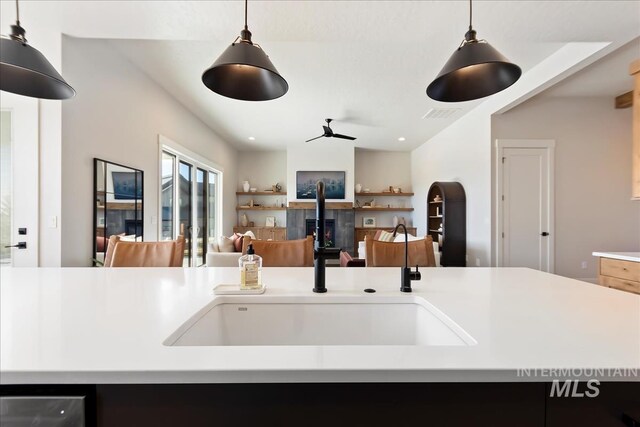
column 118, row 207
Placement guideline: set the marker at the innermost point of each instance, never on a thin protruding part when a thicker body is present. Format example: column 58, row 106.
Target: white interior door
column 526, row 214
column 19, row 181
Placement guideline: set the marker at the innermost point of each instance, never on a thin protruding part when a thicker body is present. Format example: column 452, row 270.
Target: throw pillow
column 225, row 244
column 213, row 247
column 410, row 238
column 237, row 243
column 385, row 236
column 250, row 234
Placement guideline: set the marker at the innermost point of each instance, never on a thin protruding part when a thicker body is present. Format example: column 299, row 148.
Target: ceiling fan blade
column 337, row 135
column 327, row 130
column 312, row 139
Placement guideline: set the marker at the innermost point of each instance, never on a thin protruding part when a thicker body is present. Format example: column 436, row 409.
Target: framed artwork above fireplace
column 334, row 182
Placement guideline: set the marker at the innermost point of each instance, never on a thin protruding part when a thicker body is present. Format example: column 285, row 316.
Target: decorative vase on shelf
column 244, row 220
column 358, row 188
column 395, row 221
column 246, row 186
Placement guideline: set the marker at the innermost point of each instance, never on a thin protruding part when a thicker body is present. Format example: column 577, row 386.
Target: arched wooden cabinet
column 447, row 221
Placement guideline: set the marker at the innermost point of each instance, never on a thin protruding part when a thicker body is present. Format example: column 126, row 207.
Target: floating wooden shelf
column 327, row 205
column 384, row 209
column 388, row 193
column 411, row 230
column 260, row 193
column 260, row 208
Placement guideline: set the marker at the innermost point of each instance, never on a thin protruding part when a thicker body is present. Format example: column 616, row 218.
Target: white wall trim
column 24, row 181
column 501, row 144
column 165, row 144
column 185, row 152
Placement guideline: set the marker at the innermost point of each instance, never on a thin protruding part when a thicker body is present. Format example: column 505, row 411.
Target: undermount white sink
column 319, row 320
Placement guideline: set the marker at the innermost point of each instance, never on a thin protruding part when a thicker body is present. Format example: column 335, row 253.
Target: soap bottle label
column 250, row 275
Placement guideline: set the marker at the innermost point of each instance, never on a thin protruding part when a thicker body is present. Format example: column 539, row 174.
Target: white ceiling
column 364, row 63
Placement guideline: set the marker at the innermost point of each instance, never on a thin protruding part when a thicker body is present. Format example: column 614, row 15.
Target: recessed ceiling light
column 252, row 138
column 402, row 138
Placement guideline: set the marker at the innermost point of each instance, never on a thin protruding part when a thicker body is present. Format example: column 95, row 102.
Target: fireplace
column 329, row 229
column 339, row 222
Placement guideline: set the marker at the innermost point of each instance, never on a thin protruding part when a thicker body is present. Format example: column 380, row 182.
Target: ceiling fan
column 328, row 133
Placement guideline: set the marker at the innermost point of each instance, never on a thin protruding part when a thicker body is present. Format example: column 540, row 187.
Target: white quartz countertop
column 101, row 325
column 625, row 256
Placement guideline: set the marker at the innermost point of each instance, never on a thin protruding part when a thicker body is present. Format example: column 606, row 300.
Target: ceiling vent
column 440, row 113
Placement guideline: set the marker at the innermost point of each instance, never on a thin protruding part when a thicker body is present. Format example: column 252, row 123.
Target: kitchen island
column 109, row 328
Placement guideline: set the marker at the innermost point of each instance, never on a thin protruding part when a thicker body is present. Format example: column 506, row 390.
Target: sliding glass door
column 193, row 185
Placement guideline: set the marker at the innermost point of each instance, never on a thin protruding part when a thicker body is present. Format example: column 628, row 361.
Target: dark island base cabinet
column 363, row 404
column 359, row 404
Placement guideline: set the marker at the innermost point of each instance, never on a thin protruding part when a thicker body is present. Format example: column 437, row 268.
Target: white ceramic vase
column 358, row 188
column 395, row 221
column 244, row 220
column 246, row 186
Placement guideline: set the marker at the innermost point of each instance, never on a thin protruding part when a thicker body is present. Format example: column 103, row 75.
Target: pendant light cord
column 17, row 13
column 246, row 4
column 470, row 14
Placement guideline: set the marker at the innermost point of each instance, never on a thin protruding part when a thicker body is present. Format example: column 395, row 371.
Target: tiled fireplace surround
column 344, row 225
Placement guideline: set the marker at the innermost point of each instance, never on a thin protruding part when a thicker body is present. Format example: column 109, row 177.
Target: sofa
column 362, row 250
column 226, row 251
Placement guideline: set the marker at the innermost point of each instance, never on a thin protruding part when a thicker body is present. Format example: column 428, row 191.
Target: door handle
column 544, row 233
column 20, row 245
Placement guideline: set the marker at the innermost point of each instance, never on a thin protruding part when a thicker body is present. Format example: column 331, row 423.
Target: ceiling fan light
column 245, row 72
column 475, row 70
column 26, row 71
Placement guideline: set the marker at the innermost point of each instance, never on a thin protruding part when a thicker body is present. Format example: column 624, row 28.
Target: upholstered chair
column 122, row 253
column 282, row 253
column 347, row 260
column 389, row 254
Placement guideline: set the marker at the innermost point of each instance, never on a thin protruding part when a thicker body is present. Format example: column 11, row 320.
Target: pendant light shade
column 475, row 70
column 25, row 71
column 245, row 72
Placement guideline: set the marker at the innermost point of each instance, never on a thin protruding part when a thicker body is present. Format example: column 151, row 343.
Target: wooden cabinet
column 619, row 274
column 264, row 233
column 634, row 70
column 447, row 222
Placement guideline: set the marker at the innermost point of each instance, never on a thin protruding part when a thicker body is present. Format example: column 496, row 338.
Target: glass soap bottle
column 250, row 270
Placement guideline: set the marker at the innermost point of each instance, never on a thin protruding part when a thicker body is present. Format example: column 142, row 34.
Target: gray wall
column 593, row 210
column 117, row 115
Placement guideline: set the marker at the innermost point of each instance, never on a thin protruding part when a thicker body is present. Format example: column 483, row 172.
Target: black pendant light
column 25, row 71
column 475, row 70
column 244, row 71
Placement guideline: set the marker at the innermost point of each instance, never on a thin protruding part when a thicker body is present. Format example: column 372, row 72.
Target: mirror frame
column 95, row 204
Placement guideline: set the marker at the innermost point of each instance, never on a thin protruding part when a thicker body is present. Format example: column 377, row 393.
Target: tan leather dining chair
column 389, row 254
column 122, row 253
column 282, row 253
